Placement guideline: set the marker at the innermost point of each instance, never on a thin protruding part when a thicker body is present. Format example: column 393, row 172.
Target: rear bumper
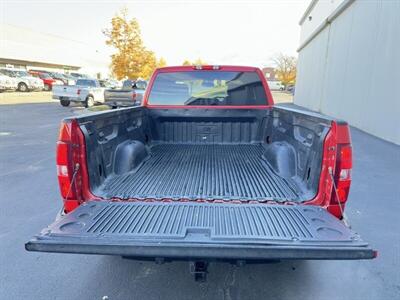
column 72, row 99
column 177, row 230
column 120, row 103
column 7, row 87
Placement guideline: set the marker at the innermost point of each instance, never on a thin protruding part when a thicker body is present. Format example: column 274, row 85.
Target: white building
column 25, row 48
column 349, row 63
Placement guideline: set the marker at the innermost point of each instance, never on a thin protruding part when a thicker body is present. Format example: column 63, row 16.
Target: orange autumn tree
column 285, row 68
column 132, row 59
column 197, row 62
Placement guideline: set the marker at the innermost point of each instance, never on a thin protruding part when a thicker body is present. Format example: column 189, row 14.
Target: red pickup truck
column 206, row 169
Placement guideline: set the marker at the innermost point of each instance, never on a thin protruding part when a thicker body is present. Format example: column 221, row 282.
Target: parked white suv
column 25, row 81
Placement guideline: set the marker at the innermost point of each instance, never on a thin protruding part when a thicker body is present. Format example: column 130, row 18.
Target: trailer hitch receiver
column 199, row 270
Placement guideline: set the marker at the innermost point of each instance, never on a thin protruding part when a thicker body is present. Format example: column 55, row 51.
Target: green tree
column 131, row 59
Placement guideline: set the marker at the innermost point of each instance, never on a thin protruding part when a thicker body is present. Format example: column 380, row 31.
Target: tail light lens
column 343, row 173
column 67, row 164
column 78, row 91
column 342, row 170
column 344, row 164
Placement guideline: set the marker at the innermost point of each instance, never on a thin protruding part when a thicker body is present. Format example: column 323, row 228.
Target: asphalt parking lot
column 30, row 200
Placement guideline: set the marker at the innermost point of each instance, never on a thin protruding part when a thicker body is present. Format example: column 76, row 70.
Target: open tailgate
column 183, row 230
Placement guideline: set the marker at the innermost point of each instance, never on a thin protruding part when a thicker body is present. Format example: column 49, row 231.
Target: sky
column 219, row 32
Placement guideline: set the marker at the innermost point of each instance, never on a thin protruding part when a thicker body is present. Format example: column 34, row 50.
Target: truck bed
column 202, row 171
column 230, row 155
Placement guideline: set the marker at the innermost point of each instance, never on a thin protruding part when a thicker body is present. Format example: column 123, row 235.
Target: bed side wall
column 294, row 147
column 115, row 142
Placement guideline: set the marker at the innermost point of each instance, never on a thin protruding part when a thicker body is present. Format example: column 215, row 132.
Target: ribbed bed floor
column 229, row 172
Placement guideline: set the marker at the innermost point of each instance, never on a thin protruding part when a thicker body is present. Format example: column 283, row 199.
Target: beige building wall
column 350, row 69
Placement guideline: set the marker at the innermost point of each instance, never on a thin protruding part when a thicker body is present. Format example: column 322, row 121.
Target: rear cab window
column 87, row 82
column 208, row 87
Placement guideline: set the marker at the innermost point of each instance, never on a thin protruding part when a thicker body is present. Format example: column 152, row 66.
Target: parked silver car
column 25, row 81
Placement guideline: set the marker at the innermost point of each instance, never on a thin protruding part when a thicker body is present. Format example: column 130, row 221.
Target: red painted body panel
column 48, row 81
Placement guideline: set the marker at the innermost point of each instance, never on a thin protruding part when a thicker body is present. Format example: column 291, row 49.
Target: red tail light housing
column 342, row 170
column 343, row 173
column 68, row 165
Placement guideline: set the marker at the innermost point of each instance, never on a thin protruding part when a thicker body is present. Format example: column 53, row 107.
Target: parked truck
column 208, row 168
column 88, row 92
column 131, row 94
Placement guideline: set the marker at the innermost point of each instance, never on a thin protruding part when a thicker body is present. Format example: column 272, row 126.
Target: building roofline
column 337, row 12
column 5, row 60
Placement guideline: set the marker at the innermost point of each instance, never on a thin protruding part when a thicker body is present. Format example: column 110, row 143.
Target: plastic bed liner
column 202, row 171
column 202, row 230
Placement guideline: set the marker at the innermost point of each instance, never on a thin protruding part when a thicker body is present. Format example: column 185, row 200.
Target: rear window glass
column 85, row 82
column 207, row 88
